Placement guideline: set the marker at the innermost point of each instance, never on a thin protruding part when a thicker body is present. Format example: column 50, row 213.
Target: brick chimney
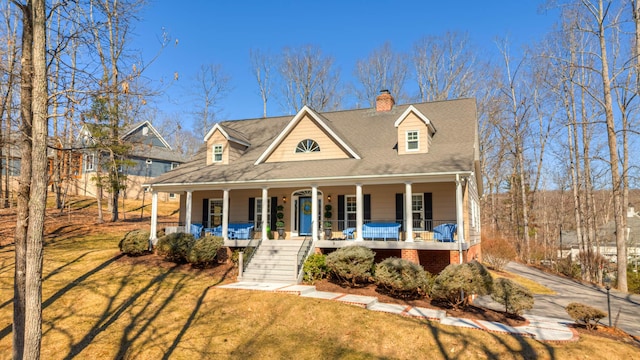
column 384, row 101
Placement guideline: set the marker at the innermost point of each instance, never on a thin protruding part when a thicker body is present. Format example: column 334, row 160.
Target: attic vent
column 145, row 131
column 307, row 146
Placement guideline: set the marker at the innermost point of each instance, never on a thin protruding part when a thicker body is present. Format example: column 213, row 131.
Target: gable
column 413, row 126
column 305, row 129
column 145, row 134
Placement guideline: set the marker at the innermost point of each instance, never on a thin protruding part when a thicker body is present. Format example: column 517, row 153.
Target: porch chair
column 445, row 232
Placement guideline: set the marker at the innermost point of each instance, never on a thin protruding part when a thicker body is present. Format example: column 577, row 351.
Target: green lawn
column 99, row 305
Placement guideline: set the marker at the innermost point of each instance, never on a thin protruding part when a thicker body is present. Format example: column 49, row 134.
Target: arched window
column 307, row 146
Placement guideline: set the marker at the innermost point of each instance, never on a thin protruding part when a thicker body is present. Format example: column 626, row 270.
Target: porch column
column 314, row 212
column 153, row 238
column 408, row 211
column 359, row 212
column 225, row 214
column 265, row 207
column 187, row 215
column 459, row 215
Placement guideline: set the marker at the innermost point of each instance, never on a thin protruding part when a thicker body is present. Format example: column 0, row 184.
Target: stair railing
column 302, row 255
column 247, row 254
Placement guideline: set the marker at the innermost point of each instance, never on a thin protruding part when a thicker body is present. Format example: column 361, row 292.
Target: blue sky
column 223, row 32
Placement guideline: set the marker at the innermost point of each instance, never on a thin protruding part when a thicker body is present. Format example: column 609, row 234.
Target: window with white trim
column 258, row 213
column 413, row 140
column 215, row 212
column 417, row 211
column 174, row 165
column 90, row 163
column 350, row 209
column 307, row 146
column 217, row 153
column 172, row 195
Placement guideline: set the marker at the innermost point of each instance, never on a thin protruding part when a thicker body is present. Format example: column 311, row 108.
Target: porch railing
column 391, row 229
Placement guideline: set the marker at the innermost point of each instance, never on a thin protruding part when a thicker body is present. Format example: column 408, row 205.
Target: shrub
column 584, row 314
column 515, row 298
column 175, row 247
column 497, row 251
column 470, row 278
column 568, row 268
column 314, row 268
column 135, row 243
column 633, row 280
column 204, row 251
column 351, row 265
column 402, row 278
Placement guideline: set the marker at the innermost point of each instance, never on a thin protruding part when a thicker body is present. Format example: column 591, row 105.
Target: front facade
column 401, row 180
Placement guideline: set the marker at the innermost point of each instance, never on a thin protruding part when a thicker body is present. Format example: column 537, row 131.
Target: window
column 217, row 153
column 259, row 213
column 307, row 146
column 174, row 165
column 172, row 196
column 215, row 212
column 413, row 142
column 145, row 131
column 350, row 210
column 417, row 209
column 90, row 163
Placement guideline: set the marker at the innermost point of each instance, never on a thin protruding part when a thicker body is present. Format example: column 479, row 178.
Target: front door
column 304, row 216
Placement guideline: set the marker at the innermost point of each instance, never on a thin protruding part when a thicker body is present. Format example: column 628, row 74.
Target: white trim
column 213, row 153
column 296, row 119
column 420, row 116
column 155, row 132
column 225, row 134
column 406, row 140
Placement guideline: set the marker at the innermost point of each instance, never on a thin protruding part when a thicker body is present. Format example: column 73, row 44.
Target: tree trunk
column 38, row 200
column 24, row 186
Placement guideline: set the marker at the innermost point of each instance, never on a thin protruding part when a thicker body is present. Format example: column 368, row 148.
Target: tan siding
column 412, row 123
column 217, row 139
column 307, row 129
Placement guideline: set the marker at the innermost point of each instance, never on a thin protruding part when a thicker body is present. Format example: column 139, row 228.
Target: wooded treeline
column 560, row 114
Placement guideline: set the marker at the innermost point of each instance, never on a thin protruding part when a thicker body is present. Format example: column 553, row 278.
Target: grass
column 534, row 287
column 98, row 304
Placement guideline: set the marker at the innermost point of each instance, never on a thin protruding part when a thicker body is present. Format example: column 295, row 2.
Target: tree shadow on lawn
column 526, row 351
column 7, row 330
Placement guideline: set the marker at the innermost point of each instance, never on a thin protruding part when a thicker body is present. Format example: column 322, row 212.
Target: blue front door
column 304, row 214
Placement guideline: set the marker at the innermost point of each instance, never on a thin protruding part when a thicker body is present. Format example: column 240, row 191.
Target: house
column 150, row 156
column 402, row 180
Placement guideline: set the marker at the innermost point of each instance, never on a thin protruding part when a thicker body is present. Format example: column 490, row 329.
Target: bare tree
column 261, row 65
column 444, row 67
column 309, row 78
column 212, row 84
column 383, row 69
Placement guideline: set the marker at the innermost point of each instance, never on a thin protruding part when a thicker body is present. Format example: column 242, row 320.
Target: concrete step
column 270, row 278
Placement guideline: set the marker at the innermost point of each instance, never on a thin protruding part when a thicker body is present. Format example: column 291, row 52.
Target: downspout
column 459, row 216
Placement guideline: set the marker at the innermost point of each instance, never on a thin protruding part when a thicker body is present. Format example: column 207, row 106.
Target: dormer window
column 307, row 146
column 217, row 153
column 413, row 140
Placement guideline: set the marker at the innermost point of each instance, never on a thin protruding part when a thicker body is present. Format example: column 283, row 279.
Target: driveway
column 625, row 308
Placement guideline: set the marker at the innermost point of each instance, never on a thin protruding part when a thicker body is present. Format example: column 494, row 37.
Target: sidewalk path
column 625, row 308
column 539, row 327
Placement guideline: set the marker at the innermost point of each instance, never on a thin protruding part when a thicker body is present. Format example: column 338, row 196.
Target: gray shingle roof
column 371, row 134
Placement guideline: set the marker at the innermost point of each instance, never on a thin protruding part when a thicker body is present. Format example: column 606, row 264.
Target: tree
column 383, row 69
column 261, row 65
column 309, row 78
column 444, row 67
column 211, row 85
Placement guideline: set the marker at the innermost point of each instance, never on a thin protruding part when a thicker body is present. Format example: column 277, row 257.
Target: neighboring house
column 149, row 157
column 398, row 179
column 606, row 245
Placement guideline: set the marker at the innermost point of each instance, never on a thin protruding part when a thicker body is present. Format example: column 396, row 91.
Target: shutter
column 428, row 210
column 274, row 210
column 367, row 207
column 205, row 212
column 400, row 210
column 252, row 210
column 341, row 219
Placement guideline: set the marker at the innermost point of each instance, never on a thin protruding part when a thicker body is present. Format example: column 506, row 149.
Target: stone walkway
column 539, row 327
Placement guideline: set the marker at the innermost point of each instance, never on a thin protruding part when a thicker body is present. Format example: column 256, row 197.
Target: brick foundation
column 434, row 261
column 411, row 255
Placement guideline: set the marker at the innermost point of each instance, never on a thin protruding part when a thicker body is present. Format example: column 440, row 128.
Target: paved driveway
column 625, row 308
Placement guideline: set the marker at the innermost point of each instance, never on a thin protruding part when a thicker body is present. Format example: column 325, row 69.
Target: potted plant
column 280, row 222
column 327, row 221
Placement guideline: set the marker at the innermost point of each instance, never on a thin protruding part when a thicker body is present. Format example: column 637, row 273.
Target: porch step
column 274, row 261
